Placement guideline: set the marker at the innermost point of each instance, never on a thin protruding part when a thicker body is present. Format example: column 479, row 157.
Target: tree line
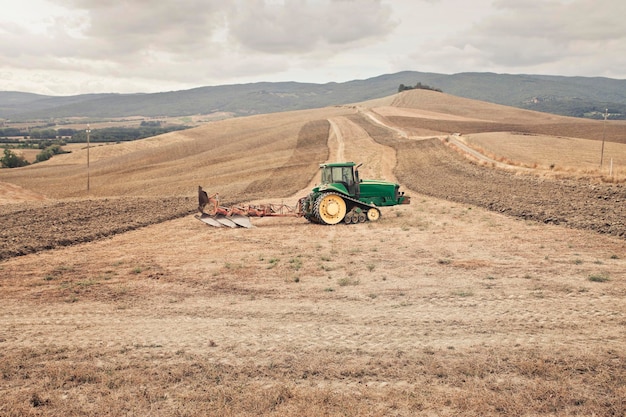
column 109, row 134
column 51, row 141
column 122, row 134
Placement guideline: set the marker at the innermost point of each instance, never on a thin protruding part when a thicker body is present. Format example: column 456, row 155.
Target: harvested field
column 469, row 301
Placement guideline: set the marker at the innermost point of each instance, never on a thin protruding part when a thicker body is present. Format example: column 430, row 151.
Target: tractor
column 341, row 196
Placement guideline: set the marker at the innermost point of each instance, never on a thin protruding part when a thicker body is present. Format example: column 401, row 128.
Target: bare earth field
column 493, row 293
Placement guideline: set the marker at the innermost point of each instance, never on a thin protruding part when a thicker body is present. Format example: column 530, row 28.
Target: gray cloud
column 176, row 40
column 141, row 45
column 306, row 26
column 536, row 33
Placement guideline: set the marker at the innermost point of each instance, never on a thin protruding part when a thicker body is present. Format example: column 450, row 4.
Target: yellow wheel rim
column 332, row 209
column 373, row 214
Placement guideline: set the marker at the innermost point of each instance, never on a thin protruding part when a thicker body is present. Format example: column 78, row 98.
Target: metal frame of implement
column 213, row 214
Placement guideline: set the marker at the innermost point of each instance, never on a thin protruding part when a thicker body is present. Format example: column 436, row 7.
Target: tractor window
column 346, row 175
column 327, row 177
column 337, row 174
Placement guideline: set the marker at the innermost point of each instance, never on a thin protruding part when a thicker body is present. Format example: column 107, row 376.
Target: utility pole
column 88, row 132
column 606, row 114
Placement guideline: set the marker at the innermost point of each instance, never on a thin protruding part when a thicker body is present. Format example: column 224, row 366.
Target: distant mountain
column 569, row 96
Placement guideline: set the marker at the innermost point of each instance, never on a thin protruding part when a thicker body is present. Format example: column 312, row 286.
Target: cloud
column 304, row 27
column 567, row 37
column 520, row 34
column 182, row 40
column 68, row 46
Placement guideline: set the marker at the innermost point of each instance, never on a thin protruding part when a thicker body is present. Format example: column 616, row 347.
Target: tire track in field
column 356, row 145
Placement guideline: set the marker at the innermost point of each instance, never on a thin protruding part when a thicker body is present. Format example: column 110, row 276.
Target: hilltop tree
column 418, row 86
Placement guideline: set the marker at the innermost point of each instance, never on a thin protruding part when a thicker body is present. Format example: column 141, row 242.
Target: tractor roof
column 338, row 164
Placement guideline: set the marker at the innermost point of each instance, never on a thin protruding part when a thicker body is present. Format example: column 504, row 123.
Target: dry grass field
column 496, row 292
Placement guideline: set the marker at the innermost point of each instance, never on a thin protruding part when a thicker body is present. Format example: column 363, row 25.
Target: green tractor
column 343, row 196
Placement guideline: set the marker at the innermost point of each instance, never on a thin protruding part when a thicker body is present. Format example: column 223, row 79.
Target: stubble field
column 443, row 307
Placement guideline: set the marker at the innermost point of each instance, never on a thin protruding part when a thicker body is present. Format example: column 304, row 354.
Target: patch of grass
column 371, row 267
column 86, row 283
column 272, row 263
column 295, row 279
column 599, row 277
column 343, row 282
column 326, row 268
column 106, row 276
column 58, row 272
column 444, row 261
column 463, row 293
column 329, row 289
column 402, row 304
column 614, row 256
column 232, row 266
column 577, row 261
column 295, row 263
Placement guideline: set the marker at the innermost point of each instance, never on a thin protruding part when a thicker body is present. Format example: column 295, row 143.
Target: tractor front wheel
column 373, row 214
column 330, row 208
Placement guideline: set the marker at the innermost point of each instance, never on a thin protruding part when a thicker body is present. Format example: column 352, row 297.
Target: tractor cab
column 345, row 174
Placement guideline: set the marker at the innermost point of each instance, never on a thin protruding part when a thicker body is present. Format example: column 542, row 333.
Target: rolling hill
column 570, row 96
column 218, row 154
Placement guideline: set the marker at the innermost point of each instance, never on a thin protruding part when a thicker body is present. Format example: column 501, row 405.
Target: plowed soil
column 33, row 227
column 432, row 168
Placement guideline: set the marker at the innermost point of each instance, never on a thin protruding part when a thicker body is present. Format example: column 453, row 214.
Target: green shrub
column 599, row 278
column 11, row 160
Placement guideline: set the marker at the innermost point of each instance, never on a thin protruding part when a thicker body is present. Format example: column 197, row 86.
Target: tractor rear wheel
column 330, row 208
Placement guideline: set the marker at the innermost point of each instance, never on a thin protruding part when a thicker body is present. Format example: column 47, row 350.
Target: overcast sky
column 66, row 47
